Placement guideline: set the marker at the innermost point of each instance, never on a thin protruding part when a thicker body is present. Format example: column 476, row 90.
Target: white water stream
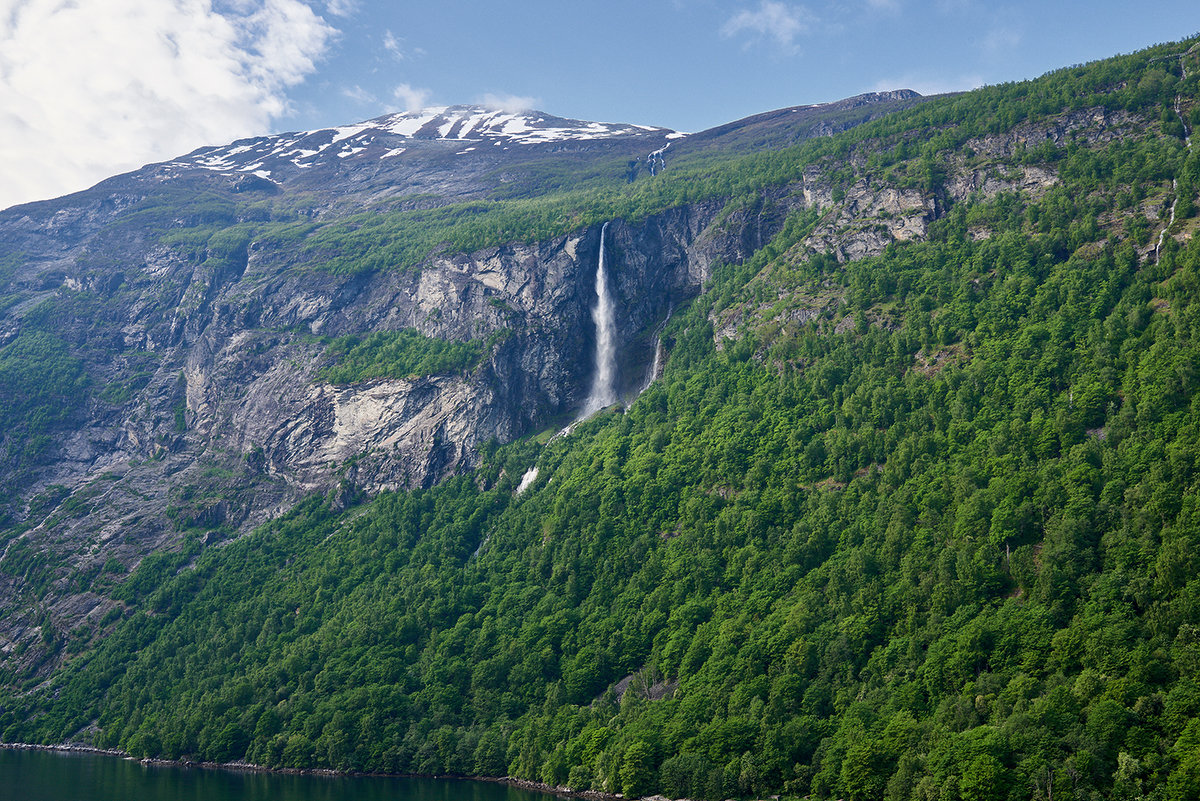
column 656, row 366
column 604, row 389
column 527, row 479
column 1187, row 141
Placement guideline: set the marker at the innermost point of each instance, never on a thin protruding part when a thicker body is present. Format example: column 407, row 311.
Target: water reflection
column 55, row 776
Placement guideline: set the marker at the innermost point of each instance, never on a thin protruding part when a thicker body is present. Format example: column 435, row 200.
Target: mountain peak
column 473, row 122
column 393, row 134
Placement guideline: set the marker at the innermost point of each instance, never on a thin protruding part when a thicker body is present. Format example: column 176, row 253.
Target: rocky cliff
column 201, row 409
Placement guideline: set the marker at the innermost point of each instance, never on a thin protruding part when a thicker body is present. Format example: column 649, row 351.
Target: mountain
column 788, row 126
column 898, row 500
column 190, row 311
column 450, row 153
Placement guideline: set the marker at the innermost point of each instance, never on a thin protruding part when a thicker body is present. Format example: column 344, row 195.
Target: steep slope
column 200, row 320
column 788, row 126
column 908, row 514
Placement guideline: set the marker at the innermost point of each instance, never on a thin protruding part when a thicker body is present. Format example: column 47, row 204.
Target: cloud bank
column 91, row 88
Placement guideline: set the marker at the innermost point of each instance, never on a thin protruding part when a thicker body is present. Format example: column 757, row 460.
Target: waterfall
column 656, row 366
column 1187, row 141
column 604, row 391
column 527, row 479
column 656, row 161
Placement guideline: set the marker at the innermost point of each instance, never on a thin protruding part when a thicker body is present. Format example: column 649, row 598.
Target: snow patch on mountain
column 391, row 135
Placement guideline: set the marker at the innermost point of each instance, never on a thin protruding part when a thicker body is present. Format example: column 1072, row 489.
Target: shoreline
column 522, row 784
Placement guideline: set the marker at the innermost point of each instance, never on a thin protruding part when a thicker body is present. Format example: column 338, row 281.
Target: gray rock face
column 229, row 424
column 207, row 415
column 257, row 390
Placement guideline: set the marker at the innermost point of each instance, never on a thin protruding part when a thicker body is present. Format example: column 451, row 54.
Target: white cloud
column 359, row 95
column 509, row 103
column 411, row 98
column 392, row 45
column 886, row 6
column 342, row 8
column 395, row 45
column 91, row 89
column 778, row 22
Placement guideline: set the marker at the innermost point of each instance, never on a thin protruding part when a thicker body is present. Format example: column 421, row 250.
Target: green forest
column 396, row 354
column 940, row 543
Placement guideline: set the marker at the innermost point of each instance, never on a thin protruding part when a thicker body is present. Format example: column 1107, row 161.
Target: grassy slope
column 396, row 354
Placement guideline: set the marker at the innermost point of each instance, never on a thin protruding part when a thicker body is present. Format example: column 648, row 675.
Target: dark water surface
column 64, row 776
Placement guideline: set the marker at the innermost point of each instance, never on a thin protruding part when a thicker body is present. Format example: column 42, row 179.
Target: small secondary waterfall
column 604, row 389
column 1187, row 141
column 656, row 161
column 657, row 365
column 527, row 479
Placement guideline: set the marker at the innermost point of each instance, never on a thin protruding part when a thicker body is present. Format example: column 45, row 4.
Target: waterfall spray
column 604, row 391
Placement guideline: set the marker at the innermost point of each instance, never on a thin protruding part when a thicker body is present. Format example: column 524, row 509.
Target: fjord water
column 58, row 776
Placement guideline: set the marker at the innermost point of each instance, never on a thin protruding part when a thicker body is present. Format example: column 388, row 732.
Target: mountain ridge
column 463, row 124
column 425, row 127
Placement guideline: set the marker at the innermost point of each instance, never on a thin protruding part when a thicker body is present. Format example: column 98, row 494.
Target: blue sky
column 692, row 64
column 90, row 88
